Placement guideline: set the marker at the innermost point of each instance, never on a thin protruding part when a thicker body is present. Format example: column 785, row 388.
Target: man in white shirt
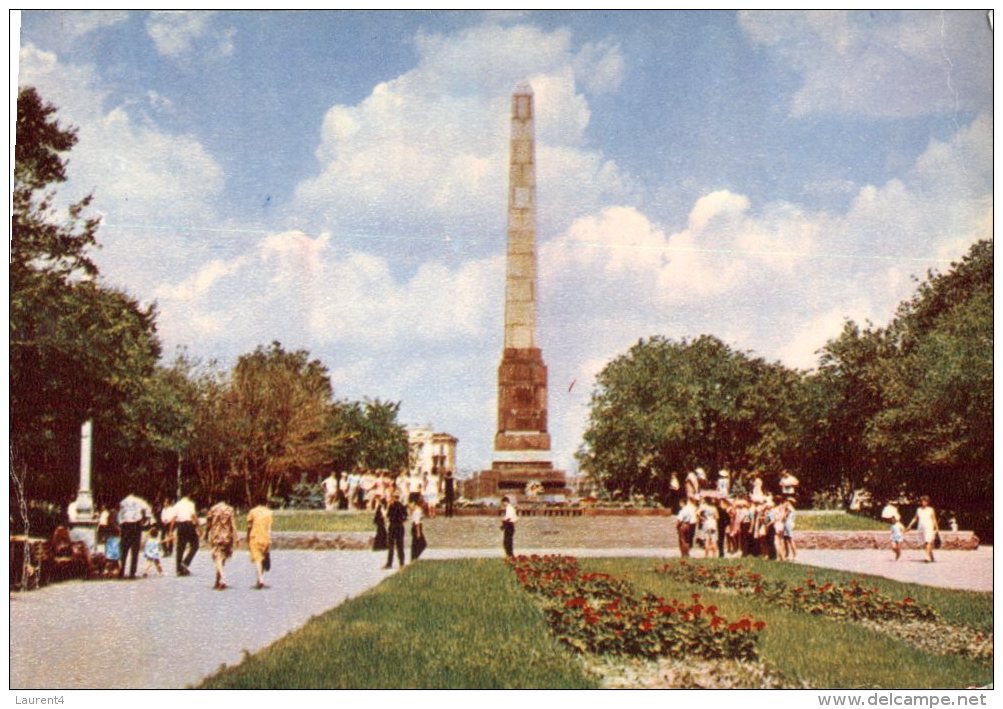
column 185, row 519
column 133, row 512
column 509, row 519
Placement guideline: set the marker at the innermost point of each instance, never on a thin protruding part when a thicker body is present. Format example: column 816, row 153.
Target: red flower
column 759, row 625
column 757, row 589
column 645, row 626
column 907, row 601
column 695, row 597
column 577, row 602
column 716, row 621
column 712, row 609
column 697, row 609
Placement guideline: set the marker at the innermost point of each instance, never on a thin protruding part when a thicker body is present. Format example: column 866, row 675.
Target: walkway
column 171, row 632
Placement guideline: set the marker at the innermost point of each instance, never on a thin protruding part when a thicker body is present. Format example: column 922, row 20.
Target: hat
column 723, row 473
column 700, row 473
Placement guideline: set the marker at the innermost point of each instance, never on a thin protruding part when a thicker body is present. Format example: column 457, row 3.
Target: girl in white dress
column 926, row 521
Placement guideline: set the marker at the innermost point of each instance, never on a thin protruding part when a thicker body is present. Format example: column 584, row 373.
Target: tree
column 935, row 429
column 669, row 406
column 277, row 406
column 78, row 349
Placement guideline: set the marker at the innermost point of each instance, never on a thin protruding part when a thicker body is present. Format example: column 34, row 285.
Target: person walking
column 151, row 553
column 380, row 520
column 184, row 520
column 221, row 533
column 509, row 518
column 925, row 521
column 396, row 516
column 330, row 487
column 898, row 535
column 259, row 540
column 133, row 512
column 418, row 542
column 450, row 492
column 166, row 515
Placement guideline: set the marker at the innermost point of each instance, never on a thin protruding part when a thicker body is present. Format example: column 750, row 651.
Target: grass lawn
column 837, row 522
column 317, row 521
column 827, row 653
column 437, row 624
column 466, row 623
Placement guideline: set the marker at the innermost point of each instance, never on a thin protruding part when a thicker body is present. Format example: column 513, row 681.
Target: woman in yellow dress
column 259, row 539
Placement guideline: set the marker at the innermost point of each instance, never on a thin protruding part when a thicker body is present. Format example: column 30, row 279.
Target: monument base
column 519, row 479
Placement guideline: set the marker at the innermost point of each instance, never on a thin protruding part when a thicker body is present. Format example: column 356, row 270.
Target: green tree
column 669, row 406
column 78, row 349
column 935, row 428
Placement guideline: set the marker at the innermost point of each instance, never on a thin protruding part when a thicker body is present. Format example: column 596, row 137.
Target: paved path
column 171, row 632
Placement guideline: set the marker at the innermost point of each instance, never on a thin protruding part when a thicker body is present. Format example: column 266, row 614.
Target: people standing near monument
column 133, row 512
column 380, row 520
column 330, row 491
column 396, row 516
column 925, row 520
column 790, row 549
column 259, row 540
column 418, row 542
column 450, row 492
column 686, row 525
column 184, row 521
column 509, row 518
column 709, row 527
column 221, row 533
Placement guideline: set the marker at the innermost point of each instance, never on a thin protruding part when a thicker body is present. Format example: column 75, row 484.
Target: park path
column 162, row 633
column 169, row 632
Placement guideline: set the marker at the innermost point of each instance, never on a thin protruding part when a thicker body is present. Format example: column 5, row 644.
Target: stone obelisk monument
column 522, row 442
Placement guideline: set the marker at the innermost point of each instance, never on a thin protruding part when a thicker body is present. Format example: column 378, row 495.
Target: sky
column 336, row 181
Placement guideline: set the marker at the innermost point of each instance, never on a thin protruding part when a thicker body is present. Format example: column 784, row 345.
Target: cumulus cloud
column 78, row 24
column 430, row 147
column 890, row 64
column 178, row 33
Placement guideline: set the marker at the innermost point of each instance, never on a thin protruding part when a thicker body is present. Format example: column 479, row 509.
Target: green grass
column 837, row 522
column 317, row 521
column 437, row 624
column 826, row 653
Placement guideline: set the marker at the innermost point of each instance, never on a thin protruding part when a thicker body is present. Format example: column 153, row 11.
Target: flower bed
column 853, row 602
column 600, row 614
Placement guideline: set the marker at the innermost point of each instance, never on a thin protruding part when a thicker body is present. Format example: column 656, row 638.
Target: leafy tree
column 368, row 435
column 78, row 349
column 669, row 406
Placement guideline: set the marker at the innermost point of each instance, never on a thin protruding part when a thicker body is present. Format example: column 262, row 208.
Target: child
column 113, row 551
column 709, row 518
column 790, row 550
column 151, row 552
column 898, row 534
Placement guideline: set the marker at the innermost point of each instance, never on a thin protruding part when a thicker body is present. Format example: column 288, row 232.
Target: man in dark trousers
column 133, row 514
column 450, row 493
column 396, row 517
column 509, row 518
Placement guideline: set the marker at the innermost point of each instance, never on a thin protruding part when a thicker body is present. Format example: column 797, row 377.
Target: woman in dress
column 380, row 520
column 418, row 543
column 259, row 539
column 926, row 521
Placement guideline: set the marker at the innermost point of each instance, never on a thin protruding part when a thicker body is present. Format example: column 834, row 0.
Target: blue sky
column 336, row 181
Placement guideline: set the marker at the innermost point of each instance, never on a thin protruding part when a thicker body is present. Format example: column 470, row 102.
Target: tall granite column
column 522, row 442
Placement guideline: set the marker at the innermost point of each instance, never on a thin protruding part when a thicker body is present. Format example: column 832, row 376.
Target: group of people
column 131, row 529
column 925, row 521
column 362, row 489
column 757, row 524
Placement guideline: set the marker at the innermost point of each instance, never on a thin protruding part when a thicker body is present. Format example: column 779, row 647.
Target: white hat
column 700, row 473
column 723, row 473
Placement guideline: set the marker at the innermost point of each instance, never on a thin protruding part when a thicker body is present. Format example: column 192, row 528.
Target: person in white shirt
column 330, row 485
column 133, row 513
column 686, row 526
column 185, row 520
column 509, row 518
column 418, row 542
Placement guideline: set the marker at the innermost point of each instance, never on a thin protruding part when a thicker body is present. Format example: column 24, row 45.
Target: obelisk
column 522, row 442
